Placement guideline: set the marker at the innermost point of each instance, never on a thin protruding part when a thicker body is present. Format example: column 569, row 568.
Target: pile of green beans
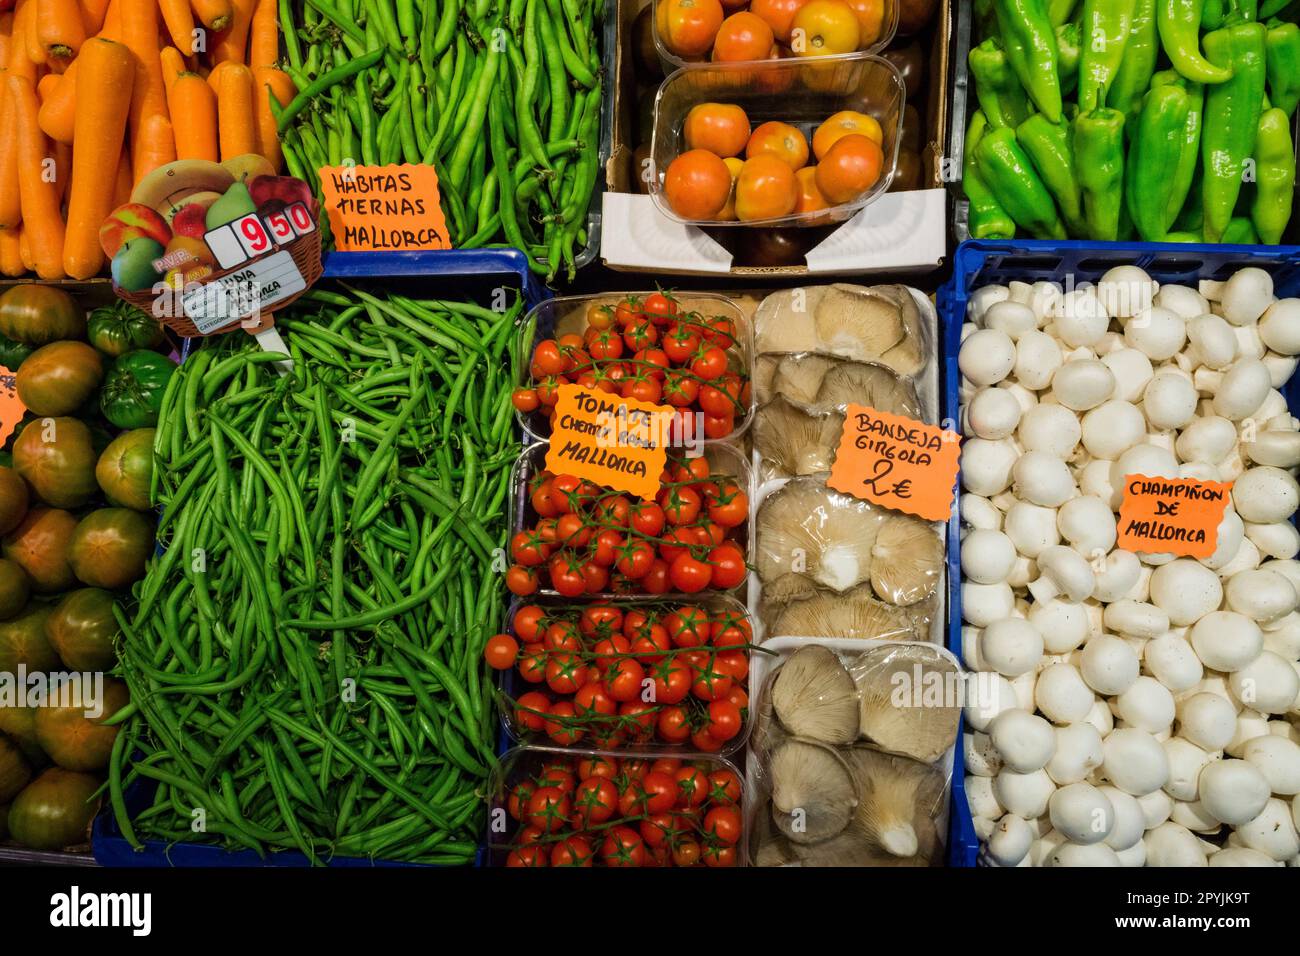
column 305, row 655
column 503, row 97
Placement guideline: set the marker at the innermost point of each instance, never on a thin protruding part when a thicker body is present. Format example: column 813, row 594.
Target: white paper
column 904, row 230
column 215, row 305
column 634, row 233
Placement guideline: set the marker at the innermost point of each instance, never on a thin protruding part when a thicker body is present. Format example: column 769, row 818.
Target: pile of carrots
column 94, row 94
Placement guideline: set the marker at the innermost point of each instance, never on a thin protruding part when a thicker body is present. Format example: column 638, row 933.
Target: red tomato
column 500, row 651
column 525, row 400
column 690, row 469
column 688, row 626
column 672, row 682
column 560, row 724
column 692, row 787
column 623, row 679
column 544, row 501
column 640, row 335
column 556, row 774
column 591, row 699
column 642, row 389
column 529, row 856
column 686, row 852
column 609, row 649
column 635, row 768
column 714, row 401
column 722, row 331
column 546, row 531
column 607, row 736
column 521, row 581
column 562, row 636
column 673, row 724
column 532, row 665
column 635, row 559
column 517, row 802
column 728, row 636
column 689, row 575
column 647, row 518
column 725, row 721
column 572, row 851
column 641, row 724
column 734, row 664
column 528, row 548
column 719, row 426
column 565, row 673
column 705, row 742
column 656, row 579
column 594, row 801
column 710, row 682
column 660, row 791
column 637, row 621
column 724, row 787
column 605, row 345
column 605, row 550
column 718, row 855
column 627, row 312
column 649, row 647
column 599, row 621
column 658, row 829
column 659, row 308
column 709, row 363
column 597, row 766
column 681, row 505
column 612, row 511
column 548, row 809
column 681, row 343
column 728, row 506
column 622, row 847
column 594, row 577
column 547, row 357
column 728, row 566
column 680, row 390
column 531, row 709
column 528, row 623
column 654, row 361
column 573, row 531
column 677, row 542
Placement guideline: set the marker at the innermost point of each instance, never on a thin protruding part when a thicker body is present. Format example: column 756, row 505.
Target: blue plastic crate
column 983, row 262
column 463, row 274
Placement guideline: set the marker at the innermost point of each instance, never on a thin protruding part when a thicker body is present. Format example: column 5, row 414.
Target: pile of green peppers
column 1164, row 120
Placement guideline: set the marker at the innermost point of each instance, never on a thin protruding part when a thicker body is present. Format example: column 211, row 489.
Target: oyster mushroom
column 866, row 383
column 871, row 323
column 767, row 847
column 813, row 792
column 848, row 849
column 855, row 613
column 905, row 560
column 806, row 528
column 922, row 722
column 814, row 696
column 794, row 440
column 898, row 802
column 781, row 320
column 799, row 376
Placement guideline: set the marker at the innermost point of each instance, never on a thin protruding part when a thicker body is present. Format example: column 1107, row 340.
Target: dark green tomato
column 54, row 810
column 36, row 314
column 82, row 629
column 57, row 457
column 57, row 378
column 121, row 328
column 110, row 547
column 125, row 469
column 133, row 389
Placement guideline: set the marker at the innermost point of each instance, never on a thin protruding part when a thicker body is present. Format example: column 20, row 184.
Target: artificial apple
column 133, row 264
column 132, row 220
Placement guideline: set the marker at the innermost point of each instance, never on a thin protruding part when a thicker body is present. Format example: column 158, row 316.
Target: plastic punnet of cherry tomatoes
column 603, row 810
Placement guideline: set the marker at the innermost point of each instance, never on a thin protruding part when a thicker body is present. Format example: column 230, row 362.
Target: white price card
column 225, row 301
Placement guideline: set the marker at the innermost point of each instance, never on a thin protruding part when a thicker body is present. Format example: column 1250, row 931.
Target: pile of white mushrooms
column 1136, row 709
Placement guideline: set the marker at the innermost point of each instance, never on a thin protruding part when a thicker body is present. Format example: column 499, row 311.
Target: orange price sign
column 1172, row 515
column 896, row 462
column 384, row 208
column 620, row 443
column 12, row 408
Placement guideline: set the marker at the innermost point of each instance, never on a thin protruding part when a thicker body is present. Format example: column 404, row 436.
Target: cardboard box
column 899, row 232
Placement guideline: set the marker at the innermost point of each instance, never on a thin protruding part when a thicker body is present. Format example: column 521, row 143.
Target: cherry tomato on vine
column 500, row 651
column 595, row 800
column 692, row 787
column 525, row 400
column 531, row 709
column 565, row 673
column 622, row 847
column 532, row 663
column 689, row 575
column 672, row 681
column 659, row 308
column 572, row 851
column 560, row 724
column 600, row 621
column 644, row 715
column 597, row 766
column 547, row 358
column 521, row 581
column 548, row 809
column 728, row 566
column 681, row 505
column 724, row 787
column 724, row 719
column 673, row 724
column 709, row 363
column 623, row 679
column 517, row 802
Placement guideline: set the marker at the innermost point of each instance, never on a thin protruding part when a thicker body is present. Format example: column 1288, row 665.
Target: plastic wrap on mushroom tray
column 850, row 762
column 829, row 564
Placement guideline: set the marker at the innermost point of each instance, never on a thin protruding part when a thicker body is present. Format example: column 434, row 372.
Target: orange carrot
column 173, row 65
column 105, row 76
column 11, row 210
column 237, row 131
column 148, row 94
column 194, row 106
column 25, row 252
column 264, row 35
column 59, row 109
column 11, row 257
column 231, row 44
column 122, row 181
column 214, row 75
column 37, row 182
column 30, row 16
column 46, row 86
column 63, row 166
column 60, row 29
column 92, row 15
column 271, row 82
column 213, row 14
column 157, row 145
column 112, row 28
column 179, row 19
column 6, row 36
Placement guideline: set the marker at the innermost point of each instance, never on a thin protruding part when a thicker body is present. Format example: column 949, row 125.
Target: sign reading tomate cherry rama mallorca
column 620, row 443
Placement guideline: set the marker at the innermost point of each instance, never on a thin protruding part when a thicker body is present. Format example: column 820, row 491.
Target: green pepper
column 1240, row 231
column 1232, row 111
column 1189, row 144
column 12, row 353
column 1179, row 22
column 1010, row 176
column 1212, row 14
column 133, row 389
column 1105, row 30
column 1139, row 63
column 1274, row 176
column 1059, row 12
column 1282, row 51
column 1048, row 147
column 1067, row 46
column 986, row 218
column 1182, row 237
column 1155, row 150
column 1000, row 94
column 1241, row 11
column 115, row 329
column 1271, row 8
column 1029, row 39
column 1099, row 158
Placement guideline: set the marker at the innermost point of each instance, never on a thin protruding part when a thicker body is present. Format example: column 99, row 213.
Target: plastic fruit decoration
column 781, row 140
column 743, row 36
column 842, row 124
column 766, row 189
column 688, row 26
column 697, row 184
column 824, row 27
column 849, row 168
column 721, row 128
column 810, row 197
column 779, row 15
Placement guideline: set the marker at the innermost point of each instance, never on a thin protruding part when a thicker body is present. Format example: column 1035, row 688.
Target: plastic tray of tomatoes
column 731, row 31
column 576, row 539
column 735, row 144
column 595, row 808
column 638, row 675
column 689, row 350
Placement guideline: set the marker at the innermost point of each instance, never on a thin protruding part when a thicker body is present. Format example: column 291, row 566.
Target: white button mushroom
column 1063, row 625
column 1078, row 752
column 1267, row 684
column 1169, row 401
column 993, row 413
column 1108, row 665
column 1080, row 319
column 1186, row 761
column 1250, row 724
column 981, row 757
column 1211, row 341
column 1010, row 840
column 1277, row 540
column 1061, row 694
column 1129, row 821
column 986, row 465
column 1231, row 532
column 987, row 556
column 1272, row 832
column 1042, row 479
column 1082, row 813
column 987, row 356
column 1265, row 494
column 1173, row 662
column 1275, row 447
column 1207, row 720
column 1233, row 791
column 1011, row 646
column 982, row 299
column 1012, row 318
column 1186, row 591
column 1025, row 741
column 1112, row 428
column 1118, row 577
column 1244, row 297
column 1062, row 571
column 1282, row 636
column 978, row 512
column 1279, row 327
column 1157, row 806
column 1157, row 333
column 1078, row 854
column 982, row 604
column 987, row 696
column 1024, row 794
column 1209, row 439
column 1100, row 718
column 1172, row 845
column 1241, row 856
column 1185, row 301
column 1136, row 619
column 1126, row 291
column 1193, row 815
column 1083, row 383
column 1050, row 428
column 1134, row 761
column 1031, row 528
column 1094, row 480
column 1226, row 641
column 981, row 798
column 1261, row 594
column 1276, row 758
column 1146, row 705
column 1038, row 356
column 1243, row 390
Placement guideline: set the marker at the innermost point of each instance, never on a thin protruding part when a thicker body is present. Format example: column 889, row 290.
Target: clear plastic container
column 510, row 685
column 521, row 764
column 801, row 92
column 723, row 459
column 565, row 315
column 671, row 61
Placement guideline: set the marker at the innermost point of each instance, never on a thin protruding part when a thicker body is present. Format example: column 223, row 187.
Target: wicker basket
column 305, row 251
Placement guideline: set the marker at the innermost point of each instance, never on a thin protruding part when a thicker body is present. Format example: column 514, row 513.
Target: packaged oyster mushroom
column 814, row 544
column 835, row 780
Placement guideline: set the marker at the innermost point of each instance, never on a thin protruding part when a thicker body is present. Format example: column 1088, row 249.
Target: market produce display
column 96, row 96
column 77, row 528
column 603, row 810
column 689, row 352
column 581, row 539
column 1164, row 120
column 709, row 181
column 305, row 655
column 503, row 99
column 768, row 29
column 590, row 663
column 845, row 775
column 1138, row 708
